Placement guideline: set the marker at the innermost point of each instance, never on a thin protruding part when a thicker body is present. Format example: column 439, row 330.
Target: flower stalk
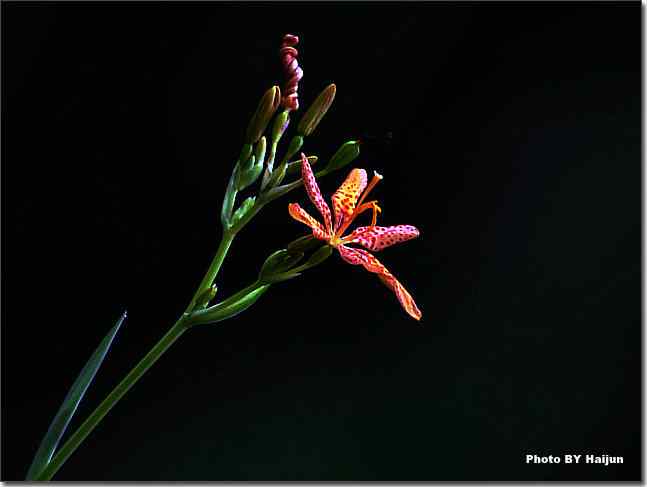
column 257, row 157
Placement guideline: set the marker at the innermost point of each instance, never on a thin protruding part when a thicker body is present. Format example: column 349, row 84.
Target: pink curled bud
column 293, row 72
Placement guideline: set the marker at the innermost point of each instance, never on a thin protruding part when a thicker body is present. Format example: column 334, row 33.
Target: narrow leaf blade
column 70, row 403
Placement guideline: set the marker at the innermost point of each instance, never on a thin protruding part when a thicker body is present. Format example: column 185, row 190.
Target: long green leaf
column 70, row 403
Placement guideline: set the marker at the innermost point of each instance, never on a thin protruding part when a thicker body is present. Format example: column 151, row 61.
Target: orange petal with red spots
column 312, row 188
column 371, row 264
column 377, row 238
column 345, row 198
column 301, row 215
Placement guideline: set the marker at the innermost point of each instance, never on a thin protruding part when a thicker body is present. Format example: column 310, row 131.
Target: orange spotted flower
column 348, row 203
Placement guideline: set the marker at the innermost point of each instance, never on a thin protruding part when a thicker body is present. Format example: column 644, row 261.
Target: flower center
column 335, row 241
column 359, row 207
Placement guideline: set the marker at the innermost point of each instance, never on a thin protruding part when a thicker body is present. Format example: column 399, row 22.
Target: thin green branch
column 228, row 308
column 214, row 268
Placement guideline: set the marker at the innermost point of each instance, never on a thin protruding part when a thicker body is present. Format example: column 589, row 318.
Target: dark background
column 508, row 133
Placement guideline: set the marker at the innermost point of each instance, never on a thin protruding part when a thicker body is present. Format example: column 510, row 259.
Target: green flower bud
column 215, row 314
column 273, row 279
column 259, row 151
column 267, row 174
column 230, row 196
column 206, row 297
column 272, row 262
column 317, row 110
column 236, row 175
column 243, row 209
column 282, row 264
column 247, row 165
column 295, row 145
column 318, row 257
column 277, row 176
column 294, row 167
column 346, row 154
column 281, row 123
column 245, row 152
column 272, row 178
column 248, row 174
column 264, row 113
column 279, row 262
column 303, row 244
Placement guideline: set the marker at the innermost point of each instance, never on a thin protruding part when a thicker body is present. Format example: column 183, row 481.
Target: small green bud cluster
column 258, row 154
column 282, row 264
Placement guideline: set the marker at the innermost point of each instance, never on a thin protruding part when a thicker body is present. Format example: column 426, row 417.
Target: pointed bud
column 346, row 154
column 287, row 270
column 247, row 165
column 248, row 174
column 317, row 110
column 277, row 176
column 236, row 175
column 215, row 314
column 279, row 262
column 255, row 173
column 259, row 151
column 274, row 278
column 281, row 123
column 295, row 145
column 206, row 296
column 267, row 175
column 245, row 152
column 294, row 167
column 264, row 113
column 242, row 210
column 318, row 257
column 303, row 244
column 230, row 196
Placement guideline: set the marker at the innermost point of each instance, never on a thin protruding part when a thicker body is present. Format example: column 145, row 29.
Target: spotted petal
column 313, row 192
column 345, row 198
column 378, row 238
column 371, row 264
column 301, row 215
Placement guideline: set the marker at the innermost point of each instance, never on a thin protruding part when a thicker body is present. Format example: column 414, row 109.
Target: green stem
column 225, row 310
column 212, row 272
column 117, row 393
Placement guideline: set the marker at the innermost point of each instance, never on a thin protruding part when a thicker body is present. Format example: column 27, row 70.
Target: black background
column 508, row 133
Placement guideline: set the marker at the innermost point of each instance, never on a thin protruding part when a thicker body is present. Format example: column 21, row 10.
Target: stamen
column 376, row 210
column 359, row 208
column 377, row 177
column 371, row 205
